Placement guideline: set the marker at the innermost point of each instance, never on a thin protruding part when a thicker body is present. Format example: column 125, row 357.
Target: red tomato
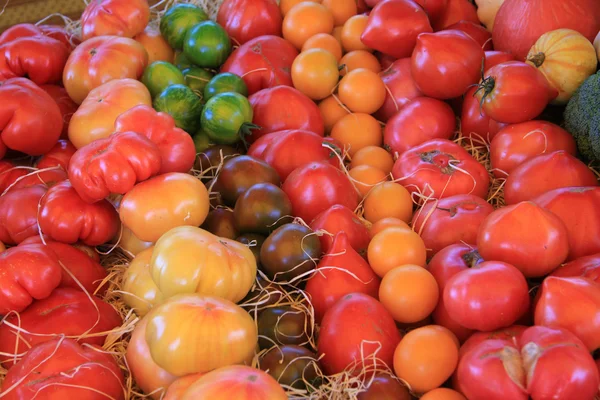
column 281, row 108
column 488, row 296
column 340, row 272
column 66, row 217
column 542, row 364
column 401, row 88
column 474, row 123
column 28, row 51
column 512, row 334
column 355, row 328
column 27, row 272
column 313, row 188
column 113, row 165
column 63, row 369
column 9, row 173
column 440, row 317
column 418, row 121
column 514, row 92
column 114, row 18
column 455, row 219
column 176, row 147
column 440, row 168
column 60, row 33
column 66, row 311
column 445, row 64
column 245, row 20
column 525, row 235
column 579, row 209
column 435, row 8
column 22, row 126
column 287, row 150
column 571, row 303
column 455, row 11
column 60, row 155
column 39, row 177
column 493, row 58
column 263, row 62
column 515, row 144
column 476, row 31
column 65, row 104
column 393, row 27
column 337, row 219
column 19, row 213
column 587, row 267
column 545, row 172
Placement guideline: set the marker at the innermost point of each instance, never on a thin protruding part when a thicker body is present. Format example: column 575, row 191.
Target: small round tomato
column 315, row 73
column 324, row 41
column 305, row 20
column 388, row 200
column 356, row 131
column 393, row 247
column 207, row 44
column 178, row 20
column 351, row 33
column 362, row 91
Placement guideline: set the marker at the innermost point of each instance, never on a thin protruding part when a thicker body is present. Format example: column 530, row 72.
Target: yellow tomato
column 315, row 73
column 188, row 259
column 95, row 117
column 102, row 59
column 157, row 47
column 235, row 382
column 131, row 243
column 140, row 291
column 195, row 333
column 164, row 202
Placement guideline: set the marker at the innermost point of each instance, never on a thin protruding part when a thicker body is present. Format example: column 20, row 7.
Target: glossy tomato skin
column 545, row 172
column 65, row 217
column 431, row 169
column 476, row 31
column 393, row 27
column 283, row 108
column 339, row 218
column 354, row 319
column 490, row 296
column 65, row 104
column 177, row 150
column 59, row 156
column 418, row 121
column 114, row 17
column 22, row 127
column 102, row 59
column 48, row 178
column 517, row 143
column 475, row 125
column 512, row 334
column 451, row 220
column 66, row 311
column 315, row 187
column 587, row 267
column 9, row 173
column 455, row 11
column 493, row 58
column 401, row 88
column 263, row 62
column 435, row 8
column 60, row 368
column 444, row 64
column 578, row 208
column 29, row 51
column 19, row 214
column 514, row 92
column 133, row 158
column 245, row 20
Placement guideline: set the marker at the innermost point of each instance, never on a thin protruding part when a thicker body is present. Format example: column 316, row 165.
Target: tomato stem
column 487, row 85
column 537, row 59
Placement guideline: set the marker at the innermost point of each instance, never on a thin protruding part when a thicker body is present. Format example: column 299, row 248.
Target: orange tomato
column 180, row 386
column 388, row 199
column 304, row 20
column 359, row 59
column 374, row 156
column 315, row 73
column 236, row 382
column 157, row 47
column 102, row 59
column 443, row 394
column 286, row 5
column 131, row 243
column 393, row 247
column 356, row 131
column 362, row 91
column 164, row 202
column 366, row 178
column 337, row 34
column 426, row 357
column 114, row 17
column 342, row 10
column 387, row 223
column 352, row 29
column 95, row 117
column 331, row 111
column 409, row 292
column 324, row 41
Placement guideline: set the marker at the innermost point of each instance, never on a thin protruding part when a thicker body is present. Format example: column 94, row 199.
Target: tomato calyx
column 487, row 85
column 472, row 258
column 537, row 59
column 441, row 160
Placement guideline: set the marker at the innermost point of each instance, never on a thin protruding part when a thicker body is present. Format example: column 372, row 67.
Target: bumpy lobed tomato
column 400, row 88
column 114, row 17
column 474, row 123
column 512, row 333
column 339, row 218
column 47, row 178
column 65, row 104
column 19, row 213
column 9, row 173
column 58, row 156
column 245, row 20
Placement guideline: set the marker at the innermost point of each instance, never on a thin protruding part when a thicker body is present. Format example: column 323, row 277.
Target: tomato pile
column 324, row 199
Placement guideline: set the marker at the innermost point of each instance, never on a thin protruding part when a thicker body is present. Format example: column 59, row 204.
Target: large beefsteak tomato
column 65, row 104
column 114, row 17
column 401, row 88
column 245, row 20
column 19, row 213
column 59, row 156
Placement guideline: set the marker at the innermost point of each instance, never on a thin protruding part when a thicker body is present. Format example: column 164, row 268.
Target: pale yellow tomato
column 139, row 290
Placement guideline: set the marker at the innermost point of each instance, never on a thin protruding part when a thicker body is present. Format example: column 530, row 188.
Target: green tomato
column 159, row 75
column 207, row 45
column 227, row 118
column 201, row 141
column 176, row 22
column 180, row 102
column 182, row 62
column 223, row 83
column 197, row 78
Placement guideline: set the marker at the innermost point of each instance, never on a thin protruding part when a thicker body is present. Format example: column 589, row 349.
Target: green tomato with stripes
column 178, row 20
column 207, row 45
column 159, row 75
column 227, row 118
column 223, row 83
column 181, row 103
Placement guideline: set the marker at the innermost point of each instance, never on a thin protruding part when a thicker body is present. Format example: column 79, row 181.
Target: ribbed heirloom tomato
column 114, row 17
